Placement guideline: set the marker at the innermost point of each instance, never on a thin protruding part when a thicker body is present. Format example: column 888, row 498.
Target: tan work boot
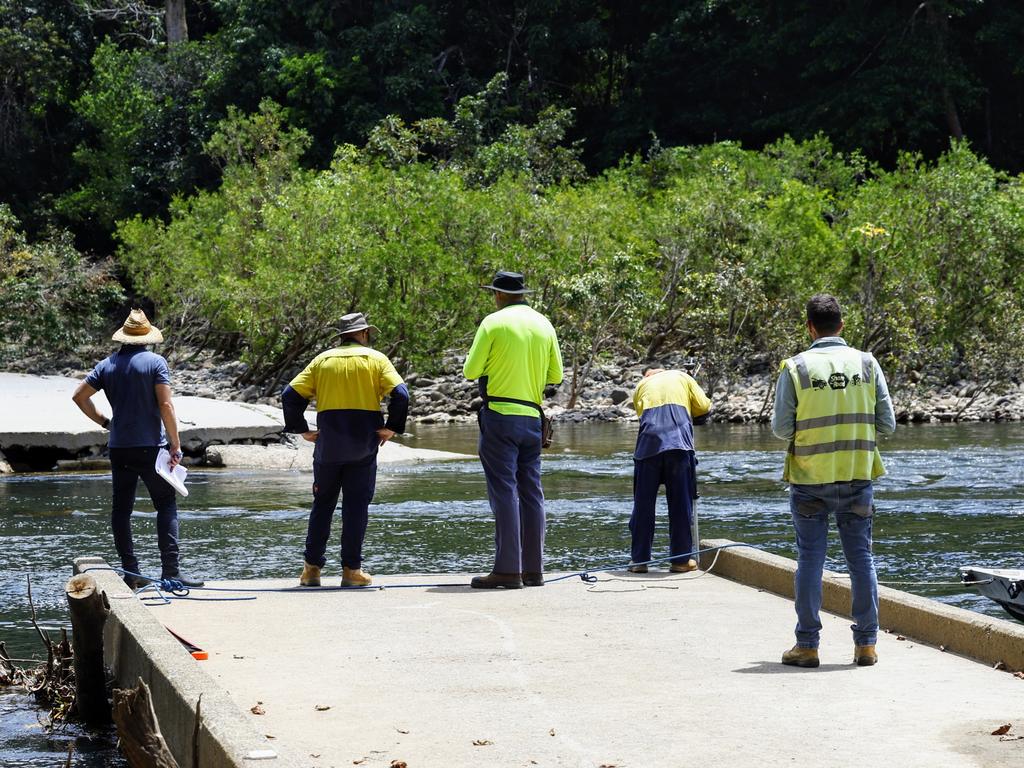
column 638, row 568
column 355, row 577
column 689, row 565
column 801, row 657
column 865, row 655
column 310, row 575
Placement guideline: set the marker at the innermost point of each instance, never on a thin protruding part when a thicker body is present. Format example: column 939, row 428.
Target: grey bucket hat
column 356, row 321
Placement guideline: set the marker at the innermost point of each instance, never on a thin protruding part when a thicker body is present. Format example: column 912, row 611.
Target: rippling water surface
column 954, row 496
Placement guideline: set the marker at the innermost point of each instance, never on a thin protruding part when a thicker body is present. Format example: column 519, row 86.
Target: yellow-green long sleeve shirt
column 515, row 354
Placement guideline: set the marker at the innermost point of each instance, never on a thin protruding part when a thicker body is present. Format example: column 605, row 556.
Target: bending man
column 668, row 404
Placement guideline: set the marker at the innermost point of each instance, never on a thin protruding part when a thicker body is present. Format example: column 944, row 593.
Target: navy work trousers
column 127, row 466
column 355, row 482
column 677, row 471
column 510, row 454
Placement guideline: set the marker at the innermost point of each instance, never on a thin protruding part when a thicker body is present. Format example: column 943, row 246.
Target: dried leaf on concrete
column 321, row 707
column 1002, row 729
column 398, row 764
column 257, row 710
column 482, row 743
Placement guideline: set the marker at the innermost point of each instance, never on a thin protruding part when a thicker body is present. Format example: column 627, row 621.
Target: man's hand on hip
column 384, row 434
column 310, row 436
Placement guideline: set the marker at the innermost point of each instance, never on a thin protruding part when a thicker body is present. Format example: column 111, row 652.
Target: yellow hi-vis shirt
column 347, row 378
column 835, row 418
column 516, row 351
column 666, row 404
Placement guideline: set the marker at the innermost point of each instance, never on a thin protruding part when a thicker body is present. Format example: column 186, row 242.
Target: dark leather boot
column 185, row 580
column 533, row 579
column 497, row 581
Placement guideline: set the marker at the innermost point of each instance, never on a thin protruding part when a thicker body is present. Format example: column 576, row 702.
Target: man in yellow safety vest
column 830, row 403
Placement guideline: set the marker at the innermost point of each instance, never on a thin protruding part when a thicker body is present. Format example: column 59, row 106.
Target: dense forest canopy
column 101, row 118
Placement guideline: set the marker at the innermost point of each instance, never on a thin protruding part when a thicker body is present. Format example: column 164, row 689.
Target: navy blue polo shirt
column 128, row 378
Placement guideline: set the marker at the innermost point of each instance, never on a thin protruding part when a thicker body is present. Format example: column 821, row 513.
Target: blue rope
column 588, row 577
column 167, row 589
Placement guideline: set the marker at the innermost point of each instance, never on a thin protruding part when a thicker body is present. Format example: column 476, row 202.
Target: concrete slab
column 37, row 412
column 634, row 671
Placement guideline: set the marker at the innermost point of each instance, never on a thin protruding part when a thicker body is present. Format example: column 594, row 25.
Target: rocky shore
column 607, row 396
column 240, row 439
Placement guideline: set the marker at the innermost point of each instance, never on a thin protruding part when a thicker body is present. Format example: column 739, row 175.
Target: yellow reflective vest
column 835, row 418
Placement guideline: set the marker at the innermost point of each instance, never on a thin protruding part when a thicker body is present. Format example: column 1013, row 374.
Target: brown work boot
column 497, row 581
column 533, row 579
column 355, row 577
column 865, row 655
column 310, row 575
column 801, row 657
column 681, row 567
column 637, row 569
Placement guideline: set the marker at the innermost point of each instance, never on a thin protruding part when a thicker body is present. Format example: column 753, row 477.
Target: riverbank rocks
column 40, row 426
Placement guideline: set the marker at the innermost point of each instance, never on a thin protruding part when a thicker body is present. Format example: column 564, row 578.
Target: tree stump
column 141, row 740
column 89, row 609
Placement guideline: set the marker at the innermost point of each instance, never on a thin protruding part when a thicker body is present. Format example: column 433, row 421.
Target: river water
column 953, row 495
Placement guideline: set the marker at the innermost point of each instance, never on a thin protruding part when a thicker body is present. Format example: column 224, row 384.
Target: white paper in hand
column 176, row 476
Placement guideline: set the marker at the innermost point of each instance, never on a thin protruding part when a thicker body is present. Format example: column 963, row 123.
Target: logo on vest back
column 838, row 381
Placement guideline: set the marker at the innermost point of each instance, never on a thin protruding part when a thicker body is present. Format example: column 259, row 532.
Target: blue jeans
column 677, row 470
column 811, row 507
column 355, row 483
column 510, row 454
column 127, row 466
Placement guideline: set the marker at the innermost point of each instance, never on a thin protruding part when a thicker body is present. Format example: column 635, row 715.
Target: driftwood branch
column 137, row 727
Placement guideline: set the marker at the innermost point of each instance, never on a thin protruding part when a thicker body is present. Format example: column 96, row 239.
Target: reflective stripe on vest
column 835, row 418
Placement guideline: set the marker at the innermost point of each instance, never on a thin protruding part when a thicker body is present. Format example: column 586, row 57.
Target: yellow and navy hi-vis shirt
column 514, row 354
column 667, row 404
column 348, row 384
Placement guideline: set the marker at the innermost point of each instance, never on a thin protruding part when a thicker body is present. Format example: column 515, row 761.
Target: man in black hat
column 514, row 355
column 348, row 383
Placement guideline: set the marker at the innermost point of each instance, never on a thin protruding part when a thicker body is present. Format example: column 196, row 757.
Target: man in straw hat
column 137, row 385
column 348, row 383
column 514, row 355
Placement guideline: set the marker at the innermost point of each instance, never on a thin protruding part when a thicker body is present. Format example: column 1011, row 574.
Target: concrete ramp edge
column 201, row 724
column 983, row 638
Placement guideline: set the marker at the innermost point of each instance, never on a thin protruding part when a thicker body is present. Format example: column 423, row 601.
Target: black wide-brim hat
column 508, row 282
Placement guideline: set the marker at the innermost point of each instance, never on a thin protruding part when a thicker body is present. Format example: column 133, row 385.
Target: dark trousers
column 127, row 466
column 677, row 471
column 355, row 483
column 510, row 454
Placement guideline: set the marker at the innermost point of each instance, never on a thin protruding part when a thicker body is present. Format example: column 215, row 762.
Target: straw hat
column 137, row 330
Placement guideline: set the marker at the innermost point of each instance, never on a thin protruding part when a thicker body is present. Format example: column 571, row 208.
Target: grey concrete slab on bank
column 37, row 411
column 639, row 671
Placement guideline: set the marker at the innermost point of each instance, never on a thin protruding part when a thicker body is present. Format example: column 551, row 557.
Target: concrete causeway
column 631, row 672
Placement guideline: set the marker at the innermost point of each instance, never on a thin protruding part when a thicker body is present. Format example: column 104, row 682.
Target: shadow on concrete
column 778, row 668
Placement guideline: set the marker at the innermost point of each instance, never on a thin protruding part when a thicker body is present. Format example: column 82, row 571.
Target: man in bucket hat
column 348, row 384
column 137, row 385
column 514, row 355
